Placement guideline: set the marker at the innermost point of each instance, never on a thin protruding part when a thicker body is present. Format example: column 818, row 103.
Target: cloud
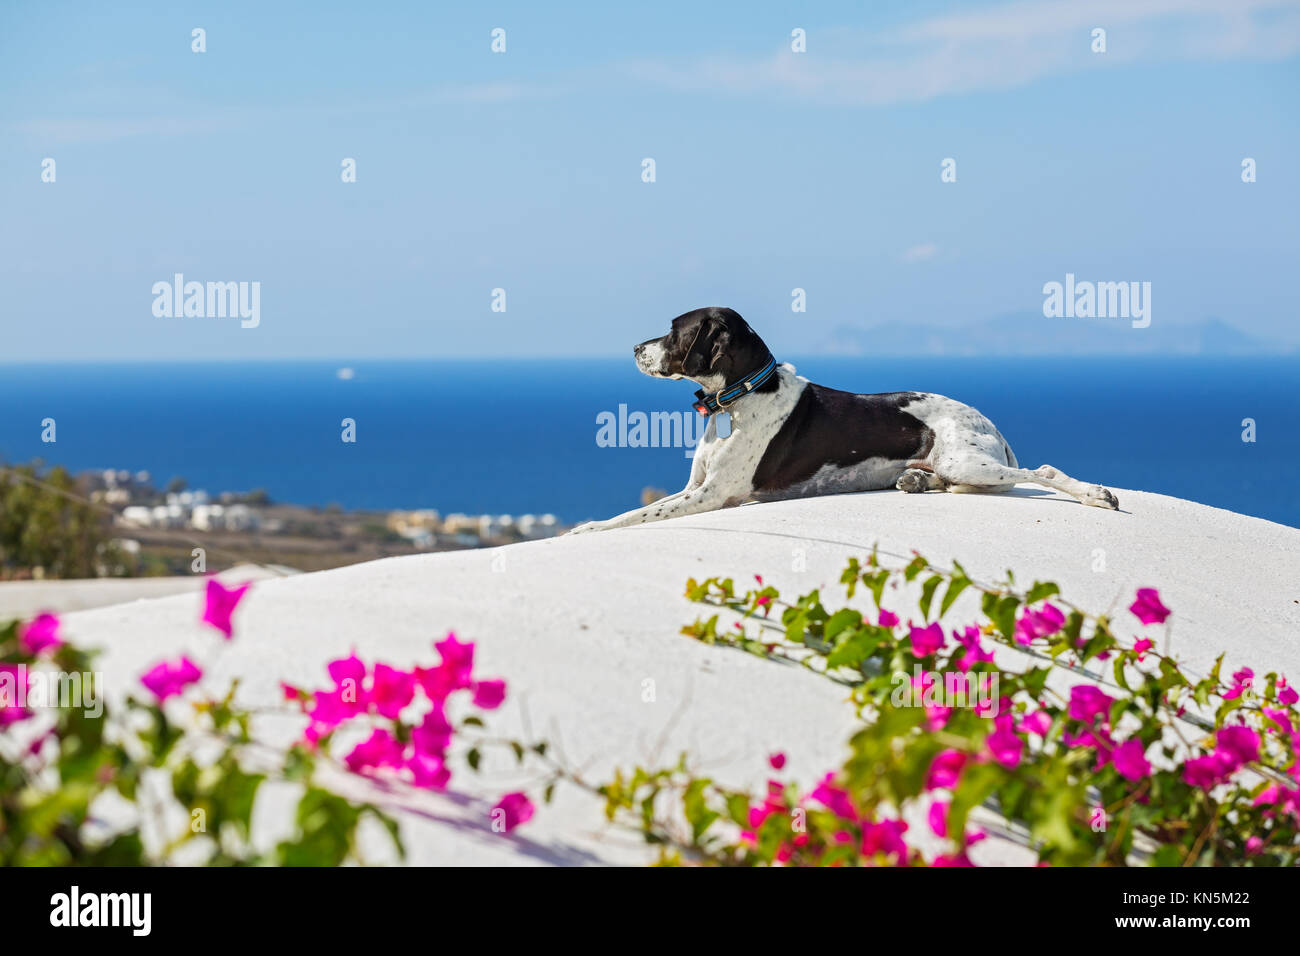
column 926, row 250
column 101, row 129
column 1000, row 47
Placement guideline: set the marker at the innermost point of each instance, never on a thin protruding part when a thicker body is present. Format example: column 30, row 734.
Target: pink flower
column 936, row 715
column 988, row 703
column 834, row 798
column 936, row 718
column 1204, row 772
column 777, row 761
column 955, row 859
column 1242, row 681
column 391, row 691
column 457, row 655
column 380, row 749
column 513, row 810
column 1279, row 717
column 11, row 711
column 329, row 708
column 433, row 736
column 348, row 669
column 1286, row 694
column 774, row 804
column 927, row 640
column 885, row 837
column 945, row 769
column 453, row 673
column 1239, row 744
column 220, row 603
column 1041, row 623
column 428, row 771
column 1005, row 746
column 938, row 818
column 41, row 634
column 1254, row 846
column 787, row 850
column 1130, row 760
column 1088, row 702
column 1039, row 722
column 1148, row 608
column 488, row 694
column 347, row 699
column 1091, row 738
column 1143, row 646
column 1268, row 795
column 975, row 654
column 169, row 678
column 888, row 618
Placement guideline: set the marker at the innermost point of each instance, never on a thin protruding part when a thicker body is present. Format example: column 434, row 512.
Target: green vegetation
column 45, row 530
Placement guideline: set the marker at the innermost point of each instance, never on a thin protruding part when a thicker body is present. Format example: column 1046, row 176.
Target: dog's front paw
column 584, row 528
column 1099, row 497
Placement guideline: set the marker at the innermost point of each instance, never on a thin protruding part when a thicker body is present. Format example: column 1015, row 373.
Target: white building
column 207, row 517
column 240, row 518
column 138, row 515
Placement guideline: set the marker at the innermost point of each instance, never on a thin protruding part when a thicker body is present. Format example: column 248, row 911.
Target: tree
column 42, row 527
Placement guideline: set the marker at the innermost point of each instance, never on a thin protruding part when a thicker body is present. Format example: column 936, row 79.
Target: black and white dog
column 790, row 438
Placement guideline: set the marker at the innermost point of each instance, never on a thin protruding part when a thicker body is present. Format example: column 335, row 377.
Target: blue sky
column 522, row 170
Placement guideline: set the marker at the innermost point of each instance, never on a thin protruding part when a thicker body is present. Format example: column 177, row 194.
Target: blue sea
column 518, row 437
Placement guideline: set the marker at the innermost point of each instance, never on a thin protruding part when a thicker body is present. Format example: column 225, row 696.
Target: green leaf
column 842, row 620
column 1041, row 590
column 1119, row 673
column 955, row 587
column 927, row 594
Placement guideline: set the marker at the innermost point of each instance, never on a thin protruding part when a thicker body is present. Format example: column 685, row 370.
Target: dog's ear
column 693, row 362
column 721, row 342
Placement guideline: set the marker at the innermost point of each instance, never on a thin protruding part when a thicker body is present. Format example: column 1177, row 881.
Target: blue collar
column 707, row 404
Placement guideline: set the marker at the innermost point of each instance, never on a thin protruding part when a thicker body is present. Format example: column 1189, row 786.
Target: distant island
column 1033, row 334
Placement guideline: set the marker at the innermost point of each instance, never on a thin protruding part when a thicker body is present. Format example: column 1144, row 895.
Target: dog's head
column 712, row 346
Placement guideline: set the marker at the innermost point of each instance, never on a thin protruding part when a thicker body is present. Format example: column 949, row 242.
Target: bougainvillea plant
column 1097, row 747
column 173, row 774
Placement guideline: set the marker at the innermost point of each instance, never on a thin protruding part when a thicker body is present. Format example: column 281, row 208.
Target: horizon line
column 534, row 359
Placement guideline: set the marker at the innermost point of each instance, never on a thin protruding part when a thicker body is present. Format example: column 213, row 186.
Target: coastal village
column 157, row 530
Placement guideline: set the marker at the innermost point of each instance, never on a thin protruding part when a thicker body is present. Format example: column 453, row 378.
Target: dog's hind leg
column 981, row 474
column 916, row 480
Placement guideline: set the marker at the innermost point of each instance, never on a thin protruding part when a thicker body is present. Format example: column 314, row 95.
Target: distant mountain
column 1033, row 334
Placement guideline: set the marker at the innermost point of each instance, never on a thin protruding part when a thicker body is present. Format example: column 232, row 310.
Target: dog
column 791, row 438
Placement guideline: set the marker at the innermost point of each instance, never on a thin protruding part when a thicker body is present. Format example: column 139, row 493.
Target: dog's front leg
column 710, row 496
